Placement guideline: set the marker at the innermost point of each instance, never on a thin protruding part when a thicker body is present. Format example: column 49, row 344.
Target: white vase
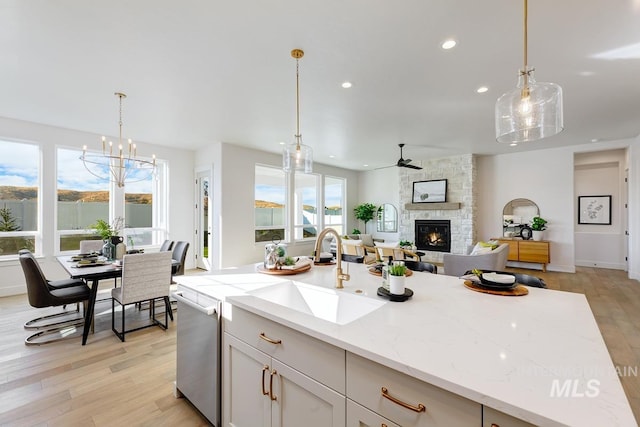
column 396, row 285
column 538, row 234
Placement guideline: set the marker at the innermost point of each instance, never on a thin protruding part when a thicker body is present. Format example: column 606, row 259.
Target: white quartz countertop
column 505, row 352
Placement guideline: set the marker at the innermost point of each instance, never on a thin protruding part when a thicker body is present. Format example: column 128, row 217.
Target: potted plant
column 538, row 225
column 397, row 271
column 366, row 212
column 406, row 244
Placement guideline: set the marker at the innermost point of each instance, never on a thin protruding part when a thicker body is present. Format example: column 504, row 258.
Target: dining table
column 91, row 273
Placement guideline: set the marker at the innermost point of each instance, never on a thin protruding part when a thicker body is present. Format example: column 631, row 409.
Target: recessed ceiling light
column 482, row 89
column 595, row 140
column 448, row 44
column 514, row 144
column 281, row 143
column 366, row 166
column 331, row 156
column 346, row 85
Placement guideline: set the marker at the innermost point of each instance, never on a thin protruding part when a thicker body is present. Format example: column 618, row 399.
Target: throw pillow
column 484, row 247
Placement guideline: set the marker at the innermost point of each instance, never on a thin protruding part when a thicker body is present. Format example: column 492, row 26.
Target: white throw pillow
column 391, row 245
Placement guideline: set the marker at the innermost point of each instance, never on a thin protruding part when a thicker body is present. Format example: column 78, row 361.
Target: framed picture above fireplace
column 433, row 191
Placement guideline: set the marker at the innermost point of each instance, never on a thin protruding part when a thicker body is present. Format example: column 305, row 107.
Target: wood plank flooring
column 110, row 383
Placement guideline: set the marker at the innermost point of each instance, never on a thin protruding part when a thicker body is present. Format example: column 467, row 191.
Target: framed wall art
column 434, row 191
column 594, row 210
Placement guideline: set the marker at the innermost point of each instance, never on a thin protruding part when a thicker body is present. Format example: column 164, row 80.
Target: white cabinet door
column 493, row 418
column 302, row 401
column 359, row 416
column 246, row 377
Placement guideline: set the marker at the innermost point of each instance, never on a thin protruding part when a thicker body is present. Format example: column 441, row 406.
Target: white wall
column 233, row 202
column 601, row 173
column 547, row 178
column 378, row 187
column 180, row 219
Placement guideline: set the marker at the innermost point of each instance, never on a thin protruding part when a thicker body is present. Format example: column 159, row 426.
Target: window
column 334, row 190
column 270, row 203
column 82, row 199
column 138, row 211
column 19, row 192
column 305, row 199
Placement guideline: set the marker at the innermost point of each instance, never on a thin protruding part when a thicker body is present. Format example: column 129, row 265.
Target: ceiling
column 203, row 71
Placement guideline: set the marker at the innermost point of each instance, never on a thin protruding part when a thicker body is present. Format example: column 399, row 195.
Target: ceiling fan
column 403, row 163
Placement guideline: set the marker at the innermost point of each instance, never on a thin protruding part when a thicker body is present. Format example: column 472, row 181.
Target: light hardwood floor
column 109, row 383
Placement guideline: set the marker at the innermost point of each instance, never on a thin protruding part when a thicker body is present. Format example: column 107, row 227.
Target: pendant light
column 297, row 157
column 532, row 110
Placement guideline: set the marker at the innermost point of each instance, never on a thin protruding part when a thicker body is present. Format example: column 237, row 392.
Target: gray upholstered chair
column 457, row 265
column 88, row 246
column 42, row 294
column 180, row 255
column 167, row 245
column 145, row 277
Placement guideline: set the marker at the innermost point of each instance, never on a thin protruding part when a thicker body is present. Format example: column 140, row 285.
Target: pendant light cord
column 526, row 15
column 298, row 136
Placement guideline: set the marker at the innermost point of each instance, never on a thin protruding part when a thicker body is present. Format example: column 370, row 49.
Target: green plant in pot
column 397, row 269
column 538, row 225
column 365, row 212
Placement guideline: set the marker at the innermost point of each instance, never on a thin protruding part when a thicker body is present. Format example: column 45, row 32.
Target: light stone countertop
column 501, row 351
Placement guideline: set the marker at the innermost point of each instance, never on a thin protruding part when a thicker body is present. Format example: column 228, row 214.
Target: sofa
column 457, row 264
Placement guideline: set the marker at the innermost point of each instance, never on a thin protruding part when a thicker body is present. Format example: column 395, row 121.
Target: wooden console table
column 534, row 251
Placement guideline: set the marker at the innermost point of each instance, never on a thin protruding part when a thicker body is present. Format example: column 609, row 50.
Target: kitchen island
column 539, row 358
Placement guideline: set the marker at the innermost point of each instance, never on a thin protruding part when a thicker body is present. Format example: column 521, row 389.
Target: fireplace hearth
column 433, row 235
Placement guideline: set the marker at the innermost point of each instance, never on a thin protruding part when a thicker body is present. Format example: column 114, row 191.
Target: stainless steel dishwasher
column 198, row 352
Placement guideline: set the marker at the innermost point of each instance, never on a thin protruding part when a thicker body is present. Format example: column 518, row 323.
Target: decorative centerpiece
column 109, row 235
column 396, row 279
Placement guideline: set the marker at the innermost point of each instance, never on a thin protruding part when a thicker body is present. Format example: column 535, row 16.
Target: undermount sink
column 338, row 307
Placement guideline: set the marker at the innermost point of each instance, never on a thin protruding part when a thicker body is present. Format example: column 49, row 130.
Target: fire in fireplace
column 433, row 235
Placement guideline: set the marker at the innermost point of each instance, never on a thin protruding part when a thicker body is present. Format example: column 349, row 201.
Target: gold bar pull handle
column 265, row 368
column 269, row 340
column 419, row 408
column 272, row 394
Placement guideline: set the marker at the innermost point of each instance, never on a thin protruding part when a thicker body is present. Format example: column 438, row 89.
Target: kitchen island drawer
column 405, row 400
column 321, row 361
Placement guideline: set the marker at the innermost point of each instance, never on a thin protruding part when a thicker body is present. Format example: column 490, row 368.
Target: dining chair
column 167, row 245
column 179, row 255
column 421, row 266
column 89, row 246
column 41, row 295
column 52, row 285
column 145, row 277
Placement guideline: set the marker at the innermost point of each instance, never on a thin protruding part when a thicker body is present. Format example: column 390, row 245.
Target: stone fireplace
column 433, row 235
column 460, row 209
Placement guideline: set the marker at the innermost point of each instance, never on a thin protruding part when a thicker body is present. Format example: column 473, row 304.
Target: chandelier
column 119, row 164
column 297, row 156
column 532, row 110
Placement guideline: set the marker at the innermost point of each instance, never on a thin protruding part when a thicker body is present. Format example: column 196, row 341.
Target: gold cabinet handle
column 383, row 425
column 494, row 425
column 386, row 395
column 273, row 374
column 269, row 340
column 265, row 368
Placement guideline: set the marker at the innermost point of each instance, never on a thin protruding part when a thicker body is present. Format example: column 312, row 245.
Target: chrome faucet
column 340, row 276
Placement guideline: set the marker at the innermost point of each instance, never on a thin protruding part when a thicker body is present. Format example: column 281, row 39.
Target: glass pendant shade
column 297, row 158
column 530, row 112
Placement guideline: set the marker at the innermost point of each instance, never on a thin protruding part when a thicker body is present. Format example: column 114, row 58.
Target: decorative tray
column 516, row 291
column 377, row 272
column 283, row 272
column 408, row 293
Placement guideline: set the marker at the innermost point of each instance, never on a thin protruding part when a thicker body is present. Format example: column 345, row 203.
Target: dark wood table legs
column 88, row 316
